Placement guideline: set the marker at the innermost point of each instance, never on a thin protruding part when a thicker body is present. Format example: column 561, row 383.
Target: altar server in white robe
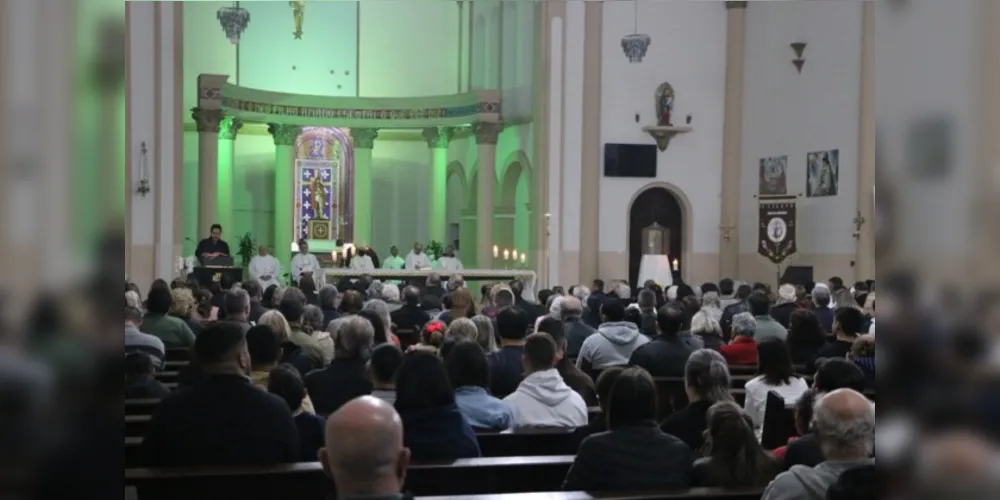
column 306, row 264
column 394, row 261
column 449, row 261
column 417, row 259
column 265, row 269
column 362, row 261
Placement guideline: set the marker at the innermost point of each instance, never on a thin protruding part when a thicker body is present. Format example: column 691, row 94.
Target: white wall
column 408, row 49
column 787, row 113
column 689, row 51
column 909, row 89
column 142, row 112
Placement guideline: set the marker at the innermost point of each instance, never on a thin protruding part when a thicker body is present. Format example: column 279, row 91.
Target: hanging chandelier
column 234, row 21
column 636, row 44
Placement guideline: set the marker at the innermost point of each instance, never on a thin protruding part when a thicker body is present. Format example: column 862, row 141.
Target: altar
column 528, row 277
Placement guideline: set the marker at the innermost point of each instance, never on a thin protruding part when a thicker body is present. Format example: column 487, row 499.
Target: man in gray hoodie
column 844, row 421
column 615, row 341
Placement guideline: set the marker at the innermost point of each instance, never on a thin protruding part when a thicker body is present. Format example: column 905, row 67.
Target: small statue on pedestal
column 664, row 104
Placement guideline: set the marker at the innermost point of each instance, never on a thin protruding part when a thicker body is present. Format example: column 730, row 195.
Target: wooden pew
column 179, row 354
column 307, row 480
column 136, row 425
column 691, row 494
column 175, row 365
column 167, row 377
column 140, row 406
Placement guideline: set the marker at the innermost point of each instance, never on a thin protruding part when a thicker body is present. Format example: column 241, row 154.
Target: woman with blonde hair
column 184, row 306
column 844, row 298
column 290, row 353
column 707, row 328
column 462, row 306
column 485, row 338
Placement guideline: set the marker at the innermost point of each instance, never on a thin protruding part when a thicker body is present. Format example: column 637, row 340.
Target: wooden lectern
column 214, row 274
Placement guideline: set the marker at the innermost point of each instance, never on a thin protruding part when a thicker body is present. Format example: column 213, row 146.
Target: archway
column 457, row 189
column 513, row 224
column 661, row 205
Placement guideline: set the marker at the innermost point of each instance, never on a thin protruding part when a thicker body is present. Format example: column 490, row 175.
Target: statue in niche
column 319, row 198
column 655, row 240
column 664, row 104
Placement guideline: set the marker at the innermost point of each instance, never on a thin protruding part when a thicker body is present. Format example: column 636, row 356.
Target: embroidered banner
column 777, row 228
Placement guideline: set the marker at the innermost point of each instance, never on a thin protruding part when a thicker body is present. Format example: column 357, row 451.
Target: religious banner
column 777, row 228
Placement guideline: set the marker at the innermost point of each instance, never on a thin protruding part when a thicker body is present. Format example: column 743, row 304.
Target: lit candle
column 523, row 258
column 506, row 254
column 677, row 265
column 515, row 254
column 496, row 251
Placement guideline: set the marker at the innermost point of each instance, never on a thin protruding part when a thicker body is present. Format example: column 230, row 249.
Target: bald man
column 845, row 427
column 364, row 452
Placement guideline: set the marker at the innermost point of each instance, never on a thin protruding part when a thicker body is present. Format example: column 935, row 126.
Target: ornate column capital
column 208, row 120
column 364, row 138
column 487, row 133
column 229, row 127
column 284, row 135
column 736, row 5
column 438, row 137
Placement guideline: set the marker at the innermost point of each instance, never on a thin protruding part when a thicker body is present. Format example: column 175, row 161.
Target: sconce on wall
column 143, row 188
column 799, row 61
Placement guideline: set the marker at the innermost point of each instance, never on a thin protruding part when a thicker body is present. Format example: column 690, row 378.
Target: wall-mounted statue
column 664, row 104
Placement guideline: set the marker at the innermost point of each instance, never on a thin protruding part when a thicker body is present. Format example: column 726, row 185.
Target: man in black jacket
column 223, row 419
column 594, row 303
column 741, row 306
column 257, row 309
column 411, row 316
column 346, row 377
column 668, row 353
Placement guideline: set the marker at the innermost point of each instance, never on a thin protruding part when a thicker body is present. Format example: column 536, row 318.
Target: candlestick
column 523, row 258
column 514, row 254
column 496, row 251
column 506, row 254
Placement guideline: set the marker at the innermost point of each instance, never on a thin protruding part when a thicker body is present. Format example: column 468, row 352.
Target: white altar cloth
column 656, row 268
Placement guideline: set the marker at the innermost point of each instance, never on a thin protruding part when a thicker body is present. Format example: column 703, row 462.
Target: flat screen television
column 629, row 160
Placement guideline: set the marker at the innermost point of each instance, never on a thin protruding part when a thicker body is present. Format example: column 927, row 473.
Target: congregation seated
column 776, row 375
column 634, row 455
column 345, row 378
column 615, row 342
column 328, row 304
column 605, row 383
column 580, row 382
column 785, row 305
column 734, row 458
column 706, row 382
column 463, row 329
column 139, row 380
column 434, row 429
column 382, row 368
column 257, row 309
column 859, row 483
column 223, row 419
column 290, row 352
column 186, row 304
column 236, row 304
column 847, row 326
column 286, row 383
column 410, row 316
column 377, row 312
column 803, row 422
column 265, row 355
column 738, row 304
column 706, row 328
column 844, row 422
column 486, row 333
column 577, row 332
column 460, row 305
column 138, row 342
column 767, row 326
column 365, row 453
column 863, row 355
column 822, row 300
column 174, row 332
column 805, row 338
column 469, row 374
column 742, row 351
column 312, row 325
column 293, row 307
column 506, row 366
column 543, row 399
column 831, row 375
column 668, row 353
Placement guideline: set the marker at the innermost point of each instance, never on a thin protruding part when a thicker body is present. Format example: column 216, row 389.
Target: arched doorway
column 457, row 188
column 658, row 205
column 513, row 220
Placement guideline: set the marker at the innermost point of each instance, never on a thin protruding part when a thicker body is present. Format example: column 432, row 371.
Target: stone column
column 364, row 141
column 865, row 259
column 208, row 122
column 284, row 200
column 437, row 140
column 732, row 140
column 590, row 168
column 486, row 141
column 224, row 202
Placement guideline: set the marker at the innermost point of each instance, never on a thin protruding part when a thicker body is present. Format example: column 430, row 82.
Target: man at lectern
column 213, row 246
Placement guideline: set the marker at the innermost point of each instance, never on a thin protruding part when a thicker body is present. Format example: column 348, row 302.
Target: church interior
column 407, row 104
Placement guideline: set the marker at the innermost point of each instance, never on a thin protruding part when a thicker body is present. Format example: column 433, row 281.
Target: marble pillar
column 208, row 122
column 224, row 200
column 364, row 141
column 438, row 139
column 284, row 200
column 486, row 141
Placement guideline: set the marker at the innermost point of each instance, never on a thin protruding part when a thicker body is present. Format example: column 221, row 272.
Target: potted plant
column 246, row 250
column 434, row 250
